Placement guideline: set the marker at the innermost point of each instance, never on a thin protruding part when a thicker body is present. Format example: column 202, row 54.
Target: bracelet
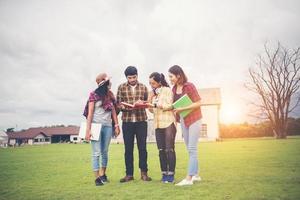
column 116, row 125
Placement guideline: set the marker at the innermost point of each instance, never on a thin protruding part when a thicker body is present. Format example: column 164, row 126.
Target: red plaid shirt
column 191, row 91
column 125, row 95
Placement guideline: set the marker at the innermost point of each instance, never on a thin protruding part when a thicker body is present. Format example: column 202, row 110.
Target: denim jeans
column 100, row 148
column 130, row 131
column 191, row 135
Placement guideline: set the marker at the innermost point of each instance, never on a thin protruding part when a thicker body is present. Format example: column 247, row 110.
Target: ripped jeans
column 100, row 148
column 165, row 139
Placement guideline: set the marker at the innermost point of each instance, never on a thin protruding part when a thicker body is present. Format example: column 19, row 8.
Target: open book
column 183, row 102
column 141, row 105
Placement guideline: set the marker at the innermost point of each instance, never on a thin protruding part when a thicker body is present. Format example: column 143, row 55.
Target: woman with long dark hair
column 190, row 124
column 100, row 109
column 161, row 99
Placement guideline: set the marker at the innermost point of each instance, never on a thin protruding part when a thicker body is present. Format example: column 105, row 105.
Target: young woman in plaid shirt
column 191, row 124
column 100, row 108
column 160, row 100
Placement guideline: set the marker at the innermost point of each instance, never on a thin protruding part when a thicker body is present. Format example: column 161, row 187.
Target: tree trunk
column 280, row 133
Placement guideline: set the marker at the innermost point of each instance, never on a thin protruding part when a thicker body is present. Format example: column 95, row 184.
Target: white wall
column 74, row 137
column 41, row 136
column 210, row 117
column 12, row 141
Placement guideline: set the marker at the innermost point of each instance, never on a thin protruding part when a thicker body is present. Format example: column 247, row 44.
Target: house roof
column 3, row 134
column 210, row 96
column 48, row 131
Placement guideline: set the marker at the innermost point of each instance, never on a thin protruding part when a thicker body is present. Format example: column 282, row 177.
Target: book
column 141, row 105
column 183, row 101
column 95, row 131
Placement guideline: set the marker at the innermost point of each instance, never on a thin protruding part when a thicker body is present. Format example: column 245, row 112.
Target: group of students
column 103, row 107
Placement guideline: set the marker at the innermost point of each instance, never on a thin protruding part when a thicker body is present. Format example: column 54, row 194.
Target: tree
column 10, row 130
column 275, row 80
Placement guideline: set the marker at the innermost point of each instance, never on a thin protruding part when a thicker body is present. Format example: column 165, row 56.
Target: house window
column 75, row 138
column 203, row 132
column 47, row 139
column 36, row 140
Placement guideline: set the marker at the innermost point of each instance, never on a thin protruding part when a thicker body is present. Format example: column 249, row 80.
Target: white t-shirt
column 133, row 92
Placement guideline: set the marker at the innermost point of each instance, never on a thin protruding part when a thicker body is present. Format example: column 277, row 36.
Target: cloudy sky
column 51, row 51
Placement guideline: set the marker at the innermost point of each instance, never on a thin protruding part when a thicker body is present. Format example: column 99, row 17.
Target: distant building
column 3, row 139
column 45, row 135
column 210, row 105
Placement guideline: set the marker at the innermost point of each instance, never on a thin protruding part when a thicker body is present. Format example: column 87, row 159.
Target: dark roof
column 47, row 131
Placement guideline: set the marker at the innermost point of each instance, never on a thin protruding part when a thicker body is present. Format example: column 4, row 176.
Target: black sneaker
column 99, row 182
column 104, row 178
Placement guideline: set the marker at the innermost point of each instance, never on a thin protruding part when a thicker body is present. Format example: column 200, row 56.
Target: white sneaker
column 196, row 178
column 184, row 182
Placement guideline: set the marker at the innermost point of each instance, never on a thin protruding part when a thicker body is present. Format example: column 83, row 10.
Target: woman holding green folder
column 188, row 113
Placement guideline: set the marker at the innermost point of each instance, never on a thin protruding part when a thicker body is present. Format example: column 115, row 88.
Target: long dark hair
column 103, row 90
column 178, row 71
column 160, row 78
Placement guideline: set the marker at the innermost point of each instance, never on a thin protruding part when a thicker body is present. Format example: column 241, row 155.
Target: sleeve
column 192, row 92
column 92, row 97
column 168, row 99
column 119, row 95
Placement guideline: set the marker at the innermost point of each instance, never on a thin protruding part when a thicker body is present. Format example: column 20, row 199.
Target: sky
column 52, row 51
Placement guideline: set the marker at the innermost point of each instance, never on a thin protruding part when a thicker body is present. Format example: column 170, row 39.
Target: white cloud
column 51, row 51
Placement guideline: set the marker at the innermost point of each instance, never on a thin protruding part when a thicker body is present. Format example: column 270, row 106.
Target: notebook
column 183, row 102
column 95, row 131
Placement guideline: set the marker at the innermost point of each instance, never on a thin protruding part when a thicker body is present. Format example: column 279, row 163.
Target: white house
column 3, row 139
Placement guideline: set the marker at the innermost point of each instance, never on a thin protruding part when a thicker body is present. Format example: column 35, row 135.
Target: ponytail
column 163, row 81
column 160, row 78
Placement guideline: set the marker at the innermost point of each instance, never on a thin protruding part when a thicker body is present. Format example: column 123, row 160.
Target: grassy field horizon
column 231, row 169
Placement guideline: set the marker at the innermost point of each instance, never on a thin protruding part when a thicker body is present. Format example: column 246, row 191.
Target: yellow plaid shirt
column 163, row 119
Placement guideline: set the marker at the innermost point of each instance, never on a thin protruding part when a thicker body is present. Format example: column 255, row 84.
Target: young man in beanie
column 134, row 123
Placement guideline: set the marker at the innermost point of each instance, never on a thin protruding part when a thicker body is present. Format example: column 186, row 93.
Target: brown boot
column 145, row 177
column 126, row 179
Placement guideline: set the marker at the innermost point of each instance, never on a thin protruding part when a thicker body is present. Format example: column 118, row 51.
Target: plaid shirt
column 196, row 114
column 125, row 95
column 163, row 119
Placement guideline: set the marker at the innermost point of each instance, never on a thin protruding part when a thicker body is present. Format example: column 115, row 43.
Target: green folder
column 183, row 102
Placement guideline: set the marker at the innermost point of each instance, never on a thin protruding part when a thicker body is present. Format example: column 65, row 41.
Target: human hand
column 88, row 135
column 177, row 110
column 117, row 131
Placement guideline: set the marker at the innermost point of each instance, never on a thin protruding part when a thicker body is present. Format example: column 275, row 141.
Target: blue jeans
column 100, row 148
column 191, row 135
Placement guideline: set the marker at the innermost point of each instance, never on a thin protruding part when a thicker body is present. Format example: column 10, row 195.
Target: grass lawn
column 232, row 169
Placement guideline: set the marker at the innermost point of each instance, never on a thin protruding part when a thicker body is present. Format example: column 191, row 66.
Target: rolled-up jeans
column 191, row 136
column 100, row 148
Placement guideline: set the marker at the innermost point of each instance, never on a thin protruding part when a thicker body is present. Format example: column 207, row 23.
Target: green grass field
column 232, row 169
